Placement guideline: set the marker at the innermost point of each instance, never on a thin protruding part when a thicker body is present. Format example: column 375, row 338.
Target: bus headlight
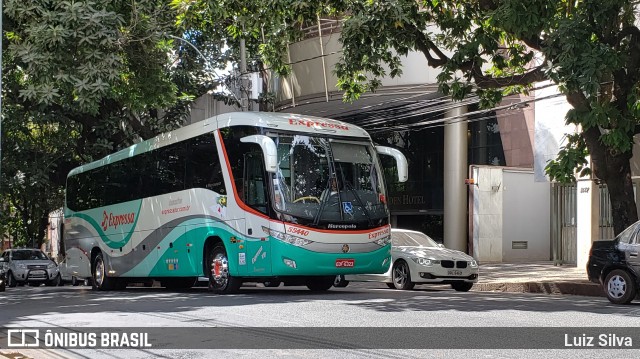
column 287, row 238
column 383, row 241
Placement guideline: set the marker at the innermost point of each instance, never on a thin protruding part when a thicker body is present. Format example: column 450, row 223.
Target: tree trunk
column 616, row 173
column 611, row 167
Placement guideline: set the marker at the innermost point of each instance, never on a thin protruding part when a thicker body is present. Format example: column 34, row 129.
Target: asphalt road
column 359, row 305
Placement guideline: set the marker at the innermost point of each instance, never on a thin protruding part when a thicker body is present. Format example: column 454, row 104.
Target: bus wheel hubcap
column 99, row 272
column 220, row 269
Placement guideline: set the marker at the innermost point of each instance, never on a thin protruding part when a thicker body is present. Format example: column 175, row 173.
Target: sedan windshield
column 28, row 254
column 402, row 239
column 321, row 179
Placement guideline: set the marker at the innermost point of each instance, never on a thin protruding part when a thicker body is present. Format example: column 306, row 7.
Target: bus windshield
column 323, row 180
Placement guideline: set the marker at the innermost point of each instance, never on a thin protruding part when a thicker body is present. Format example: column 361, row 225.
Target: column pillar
column 455, row 172
column 588, row 219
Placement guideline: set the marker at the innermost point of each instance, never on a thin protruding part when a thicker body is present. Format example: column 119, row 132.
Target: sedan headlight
column 473, row 263
column 423, row 261
column 51, row 266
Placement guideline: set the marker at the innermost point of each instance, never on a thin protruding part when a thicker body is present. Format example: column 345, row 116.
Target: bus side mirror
column 269, row 150
column 401, row 161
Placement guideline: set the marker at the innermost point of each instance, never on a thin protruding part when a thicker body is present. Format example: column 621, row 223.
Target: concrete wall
column 487, row 214
column 509, row 206
column 526, row 208
column 307, row 77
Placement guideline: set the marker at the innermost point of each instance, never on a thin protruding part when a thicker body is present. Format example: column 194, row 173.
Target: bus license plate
column 345, row 263
column 454, row 272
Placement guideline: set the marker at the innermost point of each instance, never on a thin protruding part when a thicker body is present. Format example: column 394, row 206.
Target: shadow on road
column 25, row 303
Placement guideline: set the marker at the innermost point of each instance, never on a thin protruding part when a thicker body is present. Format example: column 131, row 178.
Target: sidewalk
column 536, row 277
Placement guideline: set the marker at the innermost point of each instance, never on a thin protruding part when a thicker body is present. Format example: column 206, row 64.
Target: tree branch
column 534, row 43
column 486, row 81
column 426, row 46
column 629, row 30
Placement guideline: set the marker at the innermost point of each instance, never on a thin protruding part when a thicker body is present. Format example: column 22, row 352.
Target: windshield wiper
column 325, row 199
column 332, row 177
column 359, row 200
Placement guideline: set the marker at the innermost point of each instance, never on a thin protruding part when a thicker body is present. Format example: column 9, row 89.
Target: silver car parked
column 418, row 259
column 29, row 266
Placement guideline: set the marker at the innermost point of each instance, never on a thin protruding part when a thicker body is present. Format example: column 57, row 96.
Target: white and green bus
column 241, row 197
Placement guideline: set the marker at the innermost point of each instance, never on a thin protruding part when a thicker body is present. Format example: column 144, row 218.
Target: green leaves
column 571, row 160
column 80, row 80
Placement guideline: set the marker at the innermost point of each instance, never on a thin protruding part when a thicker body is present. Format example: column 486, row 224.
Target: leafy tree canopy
column 490, row 48
column 82, row 79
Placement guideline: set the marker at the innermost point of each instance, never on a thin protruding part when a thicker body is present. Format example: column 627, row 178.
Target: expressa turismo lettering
column 115, row 220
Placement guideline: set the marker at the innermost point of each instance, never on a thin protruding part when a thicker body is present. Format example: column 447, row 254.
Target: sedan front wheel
column 402, row 276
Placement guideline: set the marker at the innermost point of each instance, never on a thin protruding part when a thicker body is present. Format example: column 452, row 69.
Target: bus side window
column 203, row 164
column 255, row 189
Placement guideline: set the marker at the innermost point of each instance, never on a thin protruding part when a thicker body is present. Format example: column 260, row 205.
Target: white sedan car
column 418, row 259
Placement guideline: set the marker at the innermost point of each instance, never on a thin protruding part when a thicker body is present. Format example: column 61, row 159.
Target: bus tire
column 100, row 280
column 320, row 284
column 220, row 280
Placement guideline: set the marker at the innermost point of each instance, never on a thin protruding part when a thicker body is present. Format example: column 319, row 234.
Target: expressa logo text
column 115, row 220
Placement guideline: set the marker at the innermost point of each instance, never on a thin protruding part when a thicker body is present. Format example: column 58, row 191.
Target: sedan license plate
column 454, row 272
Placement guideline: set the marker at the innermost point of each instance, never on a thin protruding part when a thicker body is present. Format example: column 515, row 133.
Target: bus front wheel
column 320, row 284
column 100, row 279
column 220, row 280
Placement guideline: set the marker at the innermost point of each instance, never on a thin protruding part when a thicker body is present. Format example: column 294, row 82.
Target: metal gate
column 564, row 210
column 564, row 233
column 606, row 218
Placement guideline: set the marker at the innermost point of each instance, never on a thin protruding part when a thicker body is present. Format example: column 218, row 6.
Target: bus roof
column 274, row 120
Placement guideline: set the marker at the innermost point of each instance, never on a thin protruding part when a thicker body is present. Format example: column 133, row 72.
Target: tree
column 82, row 79
column 494, row 48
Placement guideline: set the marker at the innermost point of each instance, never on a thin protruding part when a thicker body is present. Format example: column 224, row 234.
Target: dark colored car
column 615, row 264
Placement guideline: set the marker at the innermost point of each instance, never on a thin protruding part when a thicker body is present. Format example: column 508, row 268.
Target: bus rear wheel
column 220, row 280
column 99, row 275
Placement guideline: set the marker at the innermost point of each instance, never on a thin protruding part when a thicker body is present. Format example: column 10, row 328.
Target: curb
column 561, row 288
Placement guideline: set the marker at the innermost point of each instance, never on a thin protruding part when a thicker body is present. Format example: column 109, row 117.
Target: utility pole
column 244, row 78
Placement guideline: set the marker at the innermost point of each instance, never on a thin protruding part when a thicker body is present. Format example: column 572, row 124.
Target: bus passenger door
column 255, row 195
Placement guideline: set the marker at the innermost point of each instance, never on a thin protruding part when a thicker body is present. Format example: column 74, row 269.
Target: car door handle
column 633, row 254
